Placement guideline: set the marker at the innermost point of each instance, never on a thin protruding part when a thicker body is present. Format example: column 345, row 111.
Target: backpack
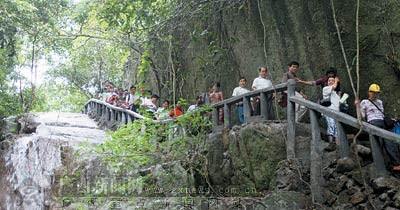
column 397, row 127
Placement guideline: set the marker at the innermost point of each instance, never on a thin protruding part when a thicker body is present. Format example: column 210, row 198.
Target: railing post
column 128, row 118
column 316, row 159
column 377, row 156
column 264, row 106
column 291, row 131
column 108, row 114
column 227, row 115
column 97, row 110
column 125, row 117
column 215, row 116
column 343, row 144
column 246, row 108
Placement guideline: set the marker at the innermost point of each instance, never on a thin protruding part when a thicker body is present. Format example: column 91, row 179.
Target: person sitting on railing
column 260, row 82
column 293, row 67
column 162, row 112
column 216, row 96
column 329, row 93
column 132, row 98
column 237, row 92
column 372, row 111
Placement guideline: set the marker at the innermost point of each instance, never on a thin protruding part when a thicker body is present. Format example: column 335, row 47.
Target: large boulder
column 256, row 151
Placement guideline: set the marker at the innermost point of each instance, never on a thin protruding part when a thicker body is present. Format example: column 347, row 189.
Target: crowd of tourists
column 372, row 109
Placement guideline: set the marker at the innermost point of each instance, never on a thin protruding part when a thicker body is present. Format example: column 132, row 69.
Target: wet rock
column 382, row 184
column 363, row 150
column 390, row 208
column 215, row 157
column 288, row 176
column 28, row 123
column 358, row 198
column 343, row 197
column 255, row 153
column 37, row 162
column 8, row 127
column 396, row 199
column 330, row 198
column 329, row 173
column 357, row 177
column 353, row 190
column 345, row 165
column 349, row 183
column 384, row 197
column 342, row 182
column 283, row 200
column 5, row 145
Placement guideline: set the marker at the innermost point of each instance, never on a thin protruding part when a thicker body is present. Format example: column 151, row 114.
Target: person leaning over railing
column 372, row 111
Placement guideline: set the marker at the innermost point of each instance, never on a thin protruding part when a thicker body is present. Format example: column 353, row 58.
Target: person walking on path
column 237, row 92
column 372, row 111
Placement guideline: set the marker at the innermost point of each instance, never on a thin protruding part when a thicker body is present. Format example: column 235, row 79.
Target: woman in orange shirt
column 176, row 111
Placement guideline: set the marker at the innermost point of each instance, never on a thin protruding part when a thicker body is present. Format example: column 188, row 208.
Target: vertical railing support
column 377, row 155
column 215, row 116
column 316, row 158
column 108, row 115
column 246, row 108
column 343, row 143
column 264, row 106
column 291, row 124
column 227, row 115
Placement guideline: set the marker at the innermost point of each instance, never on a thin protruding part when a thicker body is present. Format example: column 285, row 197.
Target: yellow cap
column 374, row 88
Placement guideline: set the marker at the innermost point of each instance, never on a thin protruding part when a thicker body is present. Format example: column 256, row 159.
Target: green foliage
column 146, row 142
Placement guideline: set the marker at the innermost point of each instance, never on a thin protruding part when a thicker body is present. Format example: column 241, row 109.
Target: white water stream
column 32, row 159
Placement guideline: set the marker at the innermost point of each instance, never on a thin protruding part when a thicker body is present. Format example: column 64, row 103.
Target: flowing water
column 29, row 162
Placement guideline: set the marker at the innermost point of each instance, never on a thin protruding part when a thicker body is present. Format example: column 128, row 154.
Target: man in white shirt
column 150, row 104
column 131, row 99
column 261, row 82
column 199, row 102
column 240, row 91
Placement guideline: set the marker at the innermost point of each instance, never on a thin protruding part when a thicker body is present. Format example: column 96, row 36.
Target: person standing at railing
column 293, row 68
column 162, row 112
column 132, row 98
column 150, row 105
column 176, row 110
column 372, row 111
column 237, row 92
column 197, row 105
column 216, row 96
column 260, row 82
column 329, row 93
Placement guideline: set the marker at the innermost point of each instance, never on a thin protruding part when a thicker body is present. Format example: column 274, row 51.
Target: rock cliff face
column 230, row 40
